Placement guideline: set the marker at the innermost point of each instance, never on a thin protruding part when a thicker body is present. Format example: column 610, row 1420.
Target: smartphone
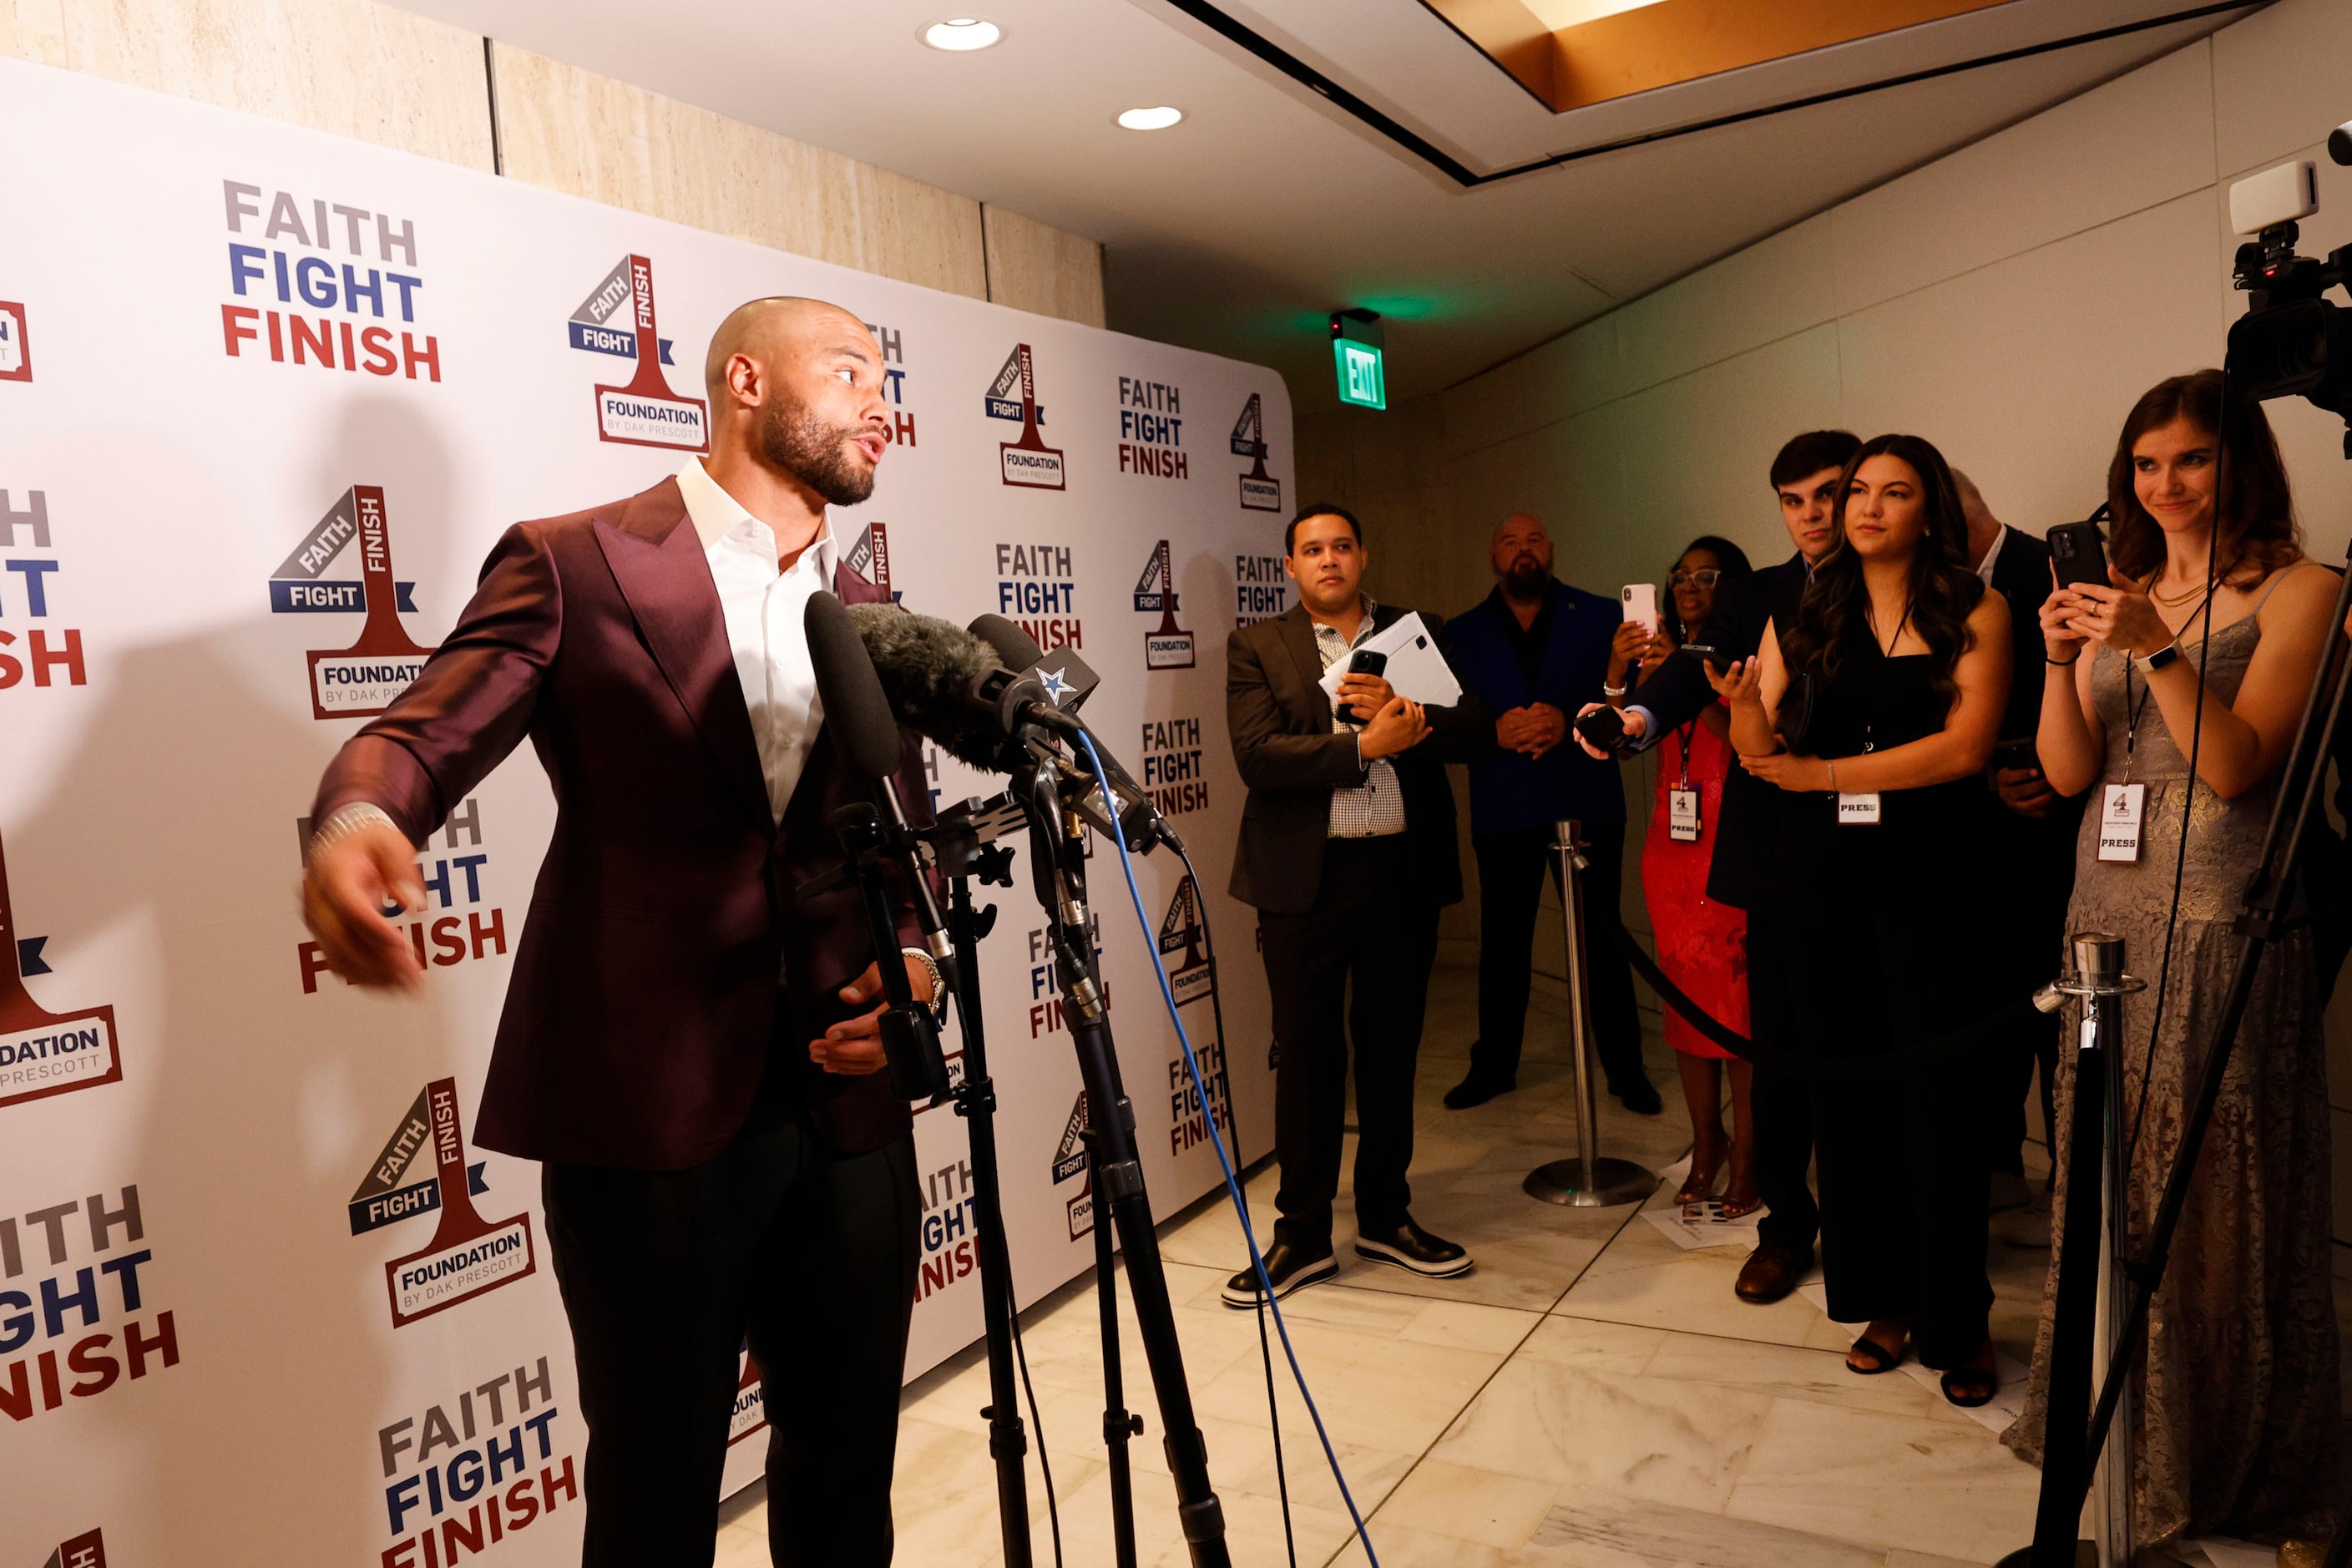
column 1605, row 727
column 1366, row 662
column 2018, row 753
column 1642, row 605
column 1721, row 658
column 2079, row 553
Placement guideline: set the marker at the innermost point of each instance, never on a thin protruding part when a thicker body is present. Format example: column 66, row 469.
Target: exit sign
column 1361, row 381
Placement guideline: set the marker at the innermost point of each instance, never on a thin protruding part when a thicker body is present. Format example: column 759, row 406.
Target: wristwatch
column 939, row 1002
column 2159, row 658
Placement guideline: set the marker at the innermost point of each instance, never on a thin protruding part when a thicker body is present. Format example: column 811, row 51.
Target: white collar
column 716, row 516
column 1984, row 567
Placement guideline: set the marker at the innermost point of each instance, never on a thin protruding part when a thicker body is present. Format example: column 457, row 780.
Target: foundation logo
column 85, row 1551
column 1070, row 1164
column 617, row 319
column 354, row 299
column 750, row 1401
column 468, row 1256
column 44, row 1053
column 1180, row 932
column 15, row 350
column 363, row 678
column 1028, row 462
column 1170, row 646
column 870, row 558
column 1193, row 978
column 1151, row 434
column 1260, row 490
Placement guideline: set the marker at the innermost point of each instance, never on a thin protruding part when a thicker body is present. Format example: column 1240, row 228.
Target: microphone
column 1069, row 680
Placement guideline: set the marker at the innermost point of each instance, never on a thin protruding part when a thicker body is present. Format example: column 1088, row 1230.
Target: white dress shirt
column 763, row 608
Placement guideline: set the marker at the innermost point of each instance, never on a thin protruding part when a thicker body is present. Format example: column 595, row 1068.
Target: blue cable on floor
column 1233, row 1184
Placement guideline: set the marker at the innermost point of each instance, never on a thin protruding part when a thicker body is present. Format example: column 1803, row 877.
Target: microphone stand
column 910, row 1038
column 1058, row 864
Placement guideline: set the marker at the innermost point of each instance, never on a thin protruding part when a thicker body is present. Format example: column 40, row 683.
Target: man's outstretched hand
column 344, row 891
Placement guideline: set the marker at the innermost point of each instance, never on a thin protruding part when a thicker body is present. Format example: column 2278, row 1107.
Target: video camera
column 2293, row 342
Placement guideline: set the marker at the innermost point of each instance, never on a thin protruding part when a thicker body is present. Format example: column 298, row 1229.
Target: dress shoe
column 1476, row 1090
column 1409, row 1246
column 1770, row 1273
column 1638, row 1095
column 1289, row 1267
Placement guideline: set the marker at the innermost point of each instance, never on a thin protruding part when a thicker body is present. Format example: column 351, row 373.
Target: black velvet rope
column 1995, row 1028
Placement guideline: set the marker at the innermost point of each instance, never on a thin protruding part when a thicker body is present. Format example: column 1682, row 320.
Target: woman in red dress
column 1702, row 944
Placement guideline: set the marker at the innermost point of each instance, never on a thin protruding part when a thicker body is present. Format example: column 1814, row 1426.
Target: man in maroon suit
column 688, row 1044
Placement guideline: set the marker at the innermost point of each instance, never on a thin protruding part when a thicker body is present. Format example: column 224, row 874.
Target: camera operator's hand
column 853, row 1048
column 2024, row 791
column 1366, row 694
column 1625, row 651
column 1398, row 727
column 2120, row 616
column 1636, row 722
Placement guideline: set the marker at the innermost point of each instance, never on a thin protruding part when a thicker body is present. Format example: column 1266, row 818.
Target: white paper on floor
column 1691, row 1225
column 2222, row 1553
column 2008, row 1403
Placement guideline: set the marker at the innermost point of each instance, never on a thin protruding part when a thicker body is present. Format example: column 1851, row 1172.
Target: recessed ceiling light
column 1158, row 119
column 961, row 35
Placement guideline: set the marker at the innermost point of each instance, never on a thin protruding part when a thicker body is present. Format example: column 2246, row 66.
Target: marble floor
column 1592, row 1396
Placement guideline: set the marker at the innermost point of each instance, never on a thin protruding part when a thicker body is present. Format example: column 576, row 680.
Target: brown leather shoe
column 1770, row 1273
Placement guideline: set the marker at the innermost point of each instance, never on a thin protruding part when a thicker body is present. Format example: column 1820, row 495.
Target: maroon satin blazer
column 645, row 987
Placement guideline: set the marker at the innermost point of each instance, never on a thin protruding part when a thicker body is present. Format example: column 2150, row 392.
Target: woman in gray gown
column 2237, row 1416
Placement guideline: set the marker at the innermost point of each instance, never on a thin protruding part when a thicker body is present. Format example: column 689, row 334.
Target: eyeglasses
column 1704, row 577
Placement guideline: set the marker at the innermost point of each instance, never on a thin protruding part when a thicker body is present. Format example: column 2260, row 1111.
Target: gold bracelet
column 1832, row 761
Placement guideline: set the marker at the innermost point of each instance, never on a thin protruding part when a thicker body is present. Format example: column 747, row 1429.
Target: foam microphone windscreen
column 928, row 668
column 856, row 711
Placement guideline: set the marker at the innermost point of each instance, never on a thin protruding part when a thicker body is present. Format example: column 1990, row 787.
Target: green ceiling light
column 1357, row 342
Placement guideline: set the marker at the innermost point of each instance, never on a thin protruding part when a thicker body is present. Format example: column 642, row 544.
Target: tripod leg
column 1120, row 1424
column 1119, row 1176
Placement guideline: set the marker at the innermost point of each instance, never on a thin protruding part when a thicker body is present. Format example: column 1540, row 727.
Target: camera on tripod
column 2292, row 340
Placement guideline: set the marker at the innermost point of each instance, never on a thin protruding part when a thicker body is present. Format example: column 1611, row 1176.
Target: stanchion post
column 1588, row 1181
column 2080, row 1341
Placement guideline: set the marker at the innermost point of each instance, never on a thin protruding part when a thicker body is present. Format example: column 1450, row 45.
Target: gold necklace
column 2176, row 599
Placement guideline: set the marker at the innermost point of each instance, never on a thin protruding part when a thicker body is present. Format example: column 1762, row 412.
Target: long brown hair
column 1834, row 619
column 2255, row 531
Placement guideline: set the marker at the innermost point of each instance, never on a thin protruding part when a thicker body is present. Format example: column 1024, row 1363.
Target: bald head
column 769, row 329
column 1520, row 553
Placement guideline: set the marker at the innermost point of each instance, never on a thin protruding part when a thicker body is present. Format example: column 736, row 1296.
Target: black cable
column 1225, row 1088
column 1036, row 1422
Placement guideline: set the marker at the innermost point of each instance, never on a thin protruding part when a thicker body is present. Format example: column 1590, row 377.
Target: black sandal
column 1969, row 1387
column 1881, row 1359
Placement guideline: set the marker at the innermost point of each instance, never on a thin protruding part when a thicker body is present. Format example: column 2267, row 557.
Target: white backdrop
column 266, row 397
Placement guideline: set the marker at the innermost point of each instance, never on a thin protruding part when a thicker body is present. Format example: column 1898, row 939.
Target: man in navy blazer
column 1534, row 652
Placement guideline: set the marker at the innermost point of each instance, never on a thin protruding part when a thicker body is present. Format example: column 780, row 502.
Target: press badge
column 1682, row 816
column 1857, row 807
column 2120, row 814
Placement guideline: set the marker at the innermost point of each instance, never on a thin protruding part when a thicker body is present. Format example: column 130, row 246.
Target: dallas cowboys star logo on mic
column 1054, row 685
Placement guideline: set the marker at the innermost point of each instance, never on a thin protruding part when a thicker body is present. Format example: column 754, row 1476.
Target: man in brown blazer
column 686, row 1043
column 1348, row 851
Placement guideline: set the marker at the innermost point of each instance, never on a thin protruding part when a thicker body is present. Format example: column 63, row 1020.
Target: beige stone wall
column 427, row 91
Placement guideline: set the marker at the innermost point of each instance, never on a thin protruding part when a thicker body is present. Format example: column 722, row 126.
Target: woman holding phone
column 2236, row 1402
column 1702, row 944
column 1877, row 711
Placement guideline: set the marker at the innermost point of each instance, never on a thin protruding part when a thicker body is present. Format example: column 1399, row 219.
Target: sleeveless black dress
column 1885, row 926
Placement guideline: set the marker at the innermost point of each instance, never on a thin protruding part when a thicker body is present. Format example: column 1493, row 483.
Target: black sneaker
column 1475, row 1090
column 1289, row 1267
column 1409, row 1246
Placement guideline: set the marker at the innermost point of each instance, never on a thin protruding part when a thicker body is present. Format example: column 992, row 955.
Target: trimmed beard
column 816, row 453
column 1525, row 584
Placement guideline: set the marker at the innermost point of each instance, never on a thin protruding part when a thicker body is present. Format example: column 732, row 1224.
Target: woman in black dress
column 1879, row 874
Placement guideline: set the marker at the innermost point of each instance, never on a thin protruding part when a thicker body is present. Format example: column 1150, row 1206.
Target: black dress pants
column 1364, row 928
column 1780, row 1102
column 664, row 1274
column 1510, row 891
